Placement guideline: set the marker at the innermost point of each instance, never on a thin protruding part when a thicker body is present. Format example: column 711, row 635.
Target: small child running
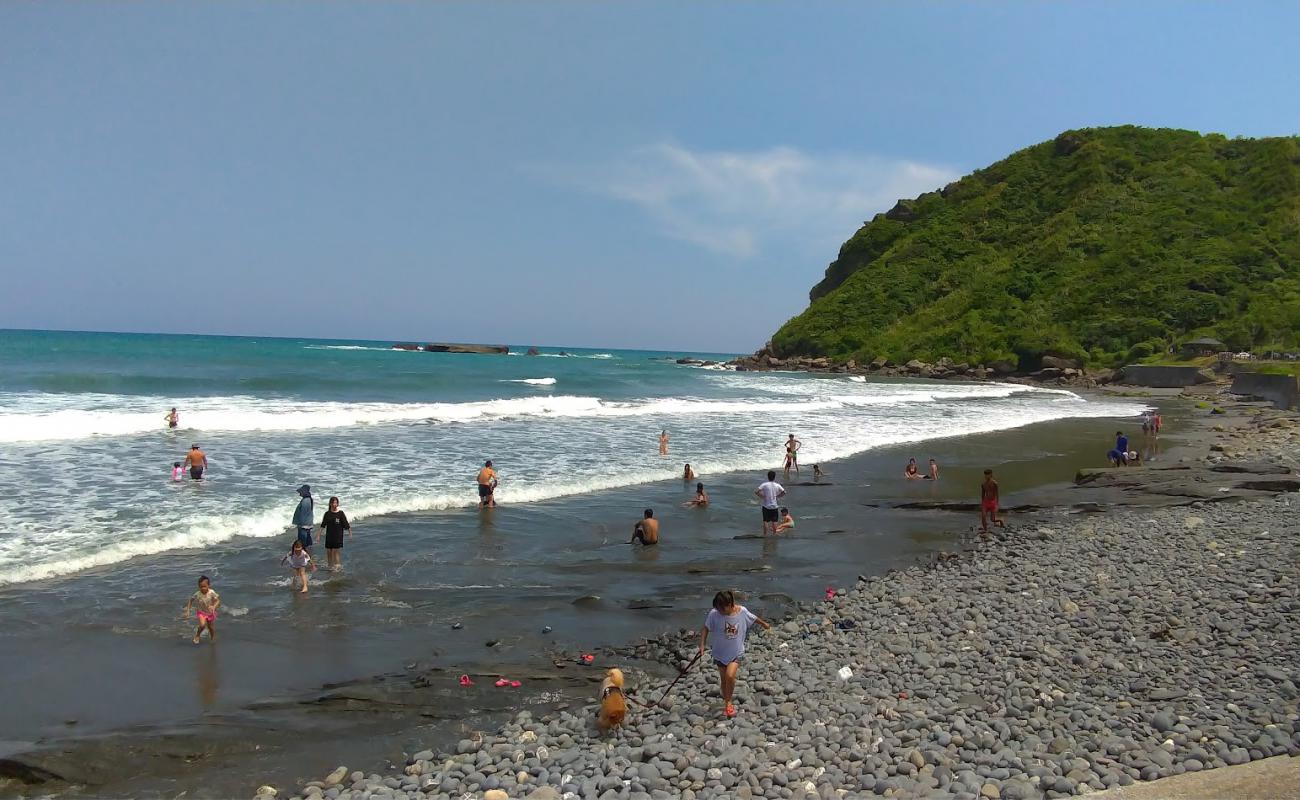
column 299, row 560
column 729, row 623
column 205, row 603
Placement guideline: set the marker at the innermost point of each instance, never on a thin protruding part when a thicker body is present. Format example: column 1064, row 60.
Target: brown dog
column 613, row 705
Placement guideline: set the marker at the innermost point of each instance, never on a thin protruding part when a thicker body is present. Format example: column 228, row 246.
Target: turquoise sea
column 88, row 456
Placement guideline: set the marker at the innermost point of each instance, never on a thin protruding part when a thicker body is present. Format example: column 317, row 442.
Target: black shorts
column 196, row 473
column 484, row 491
column 720, row 665
column 770, row 514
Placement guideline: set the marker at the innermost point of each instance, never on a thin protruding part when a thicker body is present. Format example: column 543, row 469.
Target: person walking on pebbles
column 205, row 603
column 728, row 623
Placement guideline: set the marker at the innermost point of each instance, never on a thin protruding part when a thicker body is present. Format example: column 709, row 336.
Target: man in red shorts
column 989, row 502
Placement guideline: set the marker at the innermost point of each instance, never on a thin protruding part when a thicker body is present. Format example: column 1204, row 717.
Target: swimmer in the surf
column 646, row 530
column 910, row 472
column 173, row 419
column 934, row 471
column 817, row 473
column 792, row 446
column 196, row 461
column 663, row 442
column 701, row 498
column 688, row 474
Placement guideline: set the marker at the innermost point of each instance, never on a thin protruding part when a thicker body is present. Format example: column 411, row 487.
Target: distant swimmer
column 688, row 474
column 792, row 446
column 910, row 471
column 304, row 516
column 701, row 498
column 646, row 530
column 817, row 473
column 196, row 461
column 769, row 492
column 487, row 486
column 663, row 442
column 989, row 502
column 786, row 523
column 934, row 470
column 173, row 419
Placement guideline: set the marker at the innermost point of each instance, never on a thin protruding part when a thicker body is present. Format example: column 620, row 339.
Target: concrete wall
column 1282, row 391
column 1162, row 377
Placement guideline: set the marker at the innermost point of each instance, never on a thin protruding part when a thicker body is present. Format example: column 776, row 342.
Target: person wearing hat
column 304, row 515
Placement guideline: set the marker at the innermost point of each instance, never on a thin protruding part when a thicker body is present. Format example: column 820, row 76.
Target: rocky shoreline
column 1074, row 653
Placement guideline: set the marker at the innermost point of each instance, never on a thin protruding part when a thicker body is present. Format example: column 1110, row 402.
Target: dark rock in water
column 443, row 347
column 492, row 643
column 587, row 600
column 532, row 351
column 563, row 353
column 455, row 626
column 406, row 346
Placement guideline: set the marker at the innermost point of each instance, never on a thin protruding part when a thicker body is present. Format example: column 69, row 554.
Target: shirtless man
column 487, row 486
column 173, row 419
column 196, row 461
column 934, row 470
column 989, row 502
column 646, row 530
column 792, row 446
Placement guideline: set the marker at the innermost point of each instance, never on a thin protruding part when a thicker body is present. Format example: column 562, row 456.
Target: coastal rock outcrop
column 442, row 347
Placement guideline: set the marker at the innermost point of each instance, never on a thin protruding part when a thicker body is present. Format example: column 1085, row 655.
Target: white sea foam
column 532, row 381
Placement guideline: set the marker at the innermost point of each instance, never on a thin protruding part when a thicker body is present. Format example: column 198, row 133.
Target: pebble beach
column 1071, row 653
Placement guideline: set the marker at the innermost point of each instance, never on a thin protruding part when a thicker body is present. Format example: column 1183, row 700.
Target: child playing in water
column 177, row 471
column 205, row 603
column 299, row 560
column 729, row 623
column 786, row 522
column 817, row 473
column 701, row 498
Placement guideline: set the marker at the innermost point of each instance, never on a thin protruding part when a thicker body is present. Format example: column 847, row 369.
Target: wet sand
column 366, row 665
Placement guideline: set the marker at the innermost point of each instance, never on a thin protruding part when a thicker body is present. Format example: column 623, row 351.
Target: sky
column 633, row 174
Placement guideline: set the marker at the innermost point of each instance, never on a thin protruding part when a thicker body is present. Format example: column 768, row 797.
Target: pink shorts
column 205, row 616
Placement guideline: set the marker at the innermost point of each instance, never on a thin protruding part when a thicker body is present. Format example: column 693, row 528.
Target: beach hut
column 1203, row 347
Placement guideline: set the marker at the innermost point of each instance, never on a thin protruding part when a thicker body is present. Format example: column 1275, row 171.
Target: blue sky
column 658, row 175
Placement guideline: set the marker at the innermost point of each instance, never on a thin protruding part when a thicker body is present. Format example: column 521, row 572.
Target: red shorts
column 989, row 505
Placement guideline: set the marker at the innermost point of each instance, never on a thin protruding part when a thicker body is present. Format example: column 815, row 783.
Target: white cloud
column 739, row 203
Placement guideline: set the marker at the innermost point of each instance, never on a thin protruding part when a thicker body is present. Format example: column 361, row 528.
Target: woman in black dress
column 334, row 522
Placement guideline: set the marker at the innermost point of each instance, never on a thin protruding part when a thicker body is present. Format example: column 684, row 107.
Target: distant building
column 1202, row 347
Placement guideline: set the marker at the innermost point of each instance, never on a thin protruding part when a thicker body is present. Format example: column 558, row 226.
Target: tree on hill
column 1107, row 244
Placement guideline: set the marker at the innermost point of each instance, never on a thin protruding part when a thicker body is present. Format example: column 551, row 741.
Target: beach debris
column 830, row 592
column 465, row 681
column 547, row 629
column 507, row 682
column 455, row 626
column 587, row 658
column 492, row 643
column 845, row 674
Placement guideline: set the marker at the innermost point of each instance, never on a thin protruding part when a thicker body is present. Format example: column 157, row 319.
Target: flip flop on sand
column 465, row 681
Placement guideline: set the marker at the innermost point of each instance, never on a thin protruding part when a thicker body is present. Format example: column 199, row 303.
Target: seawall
column 1283, row 391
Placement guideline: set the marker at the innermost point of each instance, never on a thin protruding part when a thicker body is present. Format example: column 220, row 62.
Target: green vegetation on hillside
column 1106, row 244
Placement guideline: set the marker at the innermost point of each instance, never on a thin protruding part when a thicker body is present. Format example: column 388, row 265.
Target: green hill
column 1105, row 244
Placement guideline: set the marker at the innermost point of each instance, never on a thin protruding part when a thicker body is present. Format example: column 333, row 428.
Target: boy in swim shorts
column 728, row 622
column 205, row 603
column 989, row 502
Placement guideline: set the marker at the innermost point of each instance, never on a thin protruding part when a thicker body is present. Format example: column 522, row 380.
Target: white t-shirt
column 769, row 491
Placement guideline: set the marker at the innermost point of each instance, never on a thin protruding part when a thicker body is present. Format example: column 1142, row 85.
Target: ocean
column 88, row 456
column 99, row 548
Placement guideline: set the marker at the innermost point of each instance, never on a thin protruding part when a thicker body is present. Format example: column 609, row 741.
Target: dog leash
column 680, row 675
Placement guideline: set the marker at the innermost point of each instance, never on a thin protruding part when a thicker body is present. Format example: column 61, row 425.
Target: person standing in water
column 173, row 419
column 646, row 530
column 663, row 442
column 688, row 474
column 196, row 461
column 334, row 523
column 304, row 516
column 934, row 470
column 989, row 502
column 768, row 493
column 487, row 486
column 792, row 446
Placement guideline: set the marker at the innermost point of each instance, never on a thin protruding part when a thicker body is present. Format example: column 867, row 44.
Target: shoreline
column 641, row 759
